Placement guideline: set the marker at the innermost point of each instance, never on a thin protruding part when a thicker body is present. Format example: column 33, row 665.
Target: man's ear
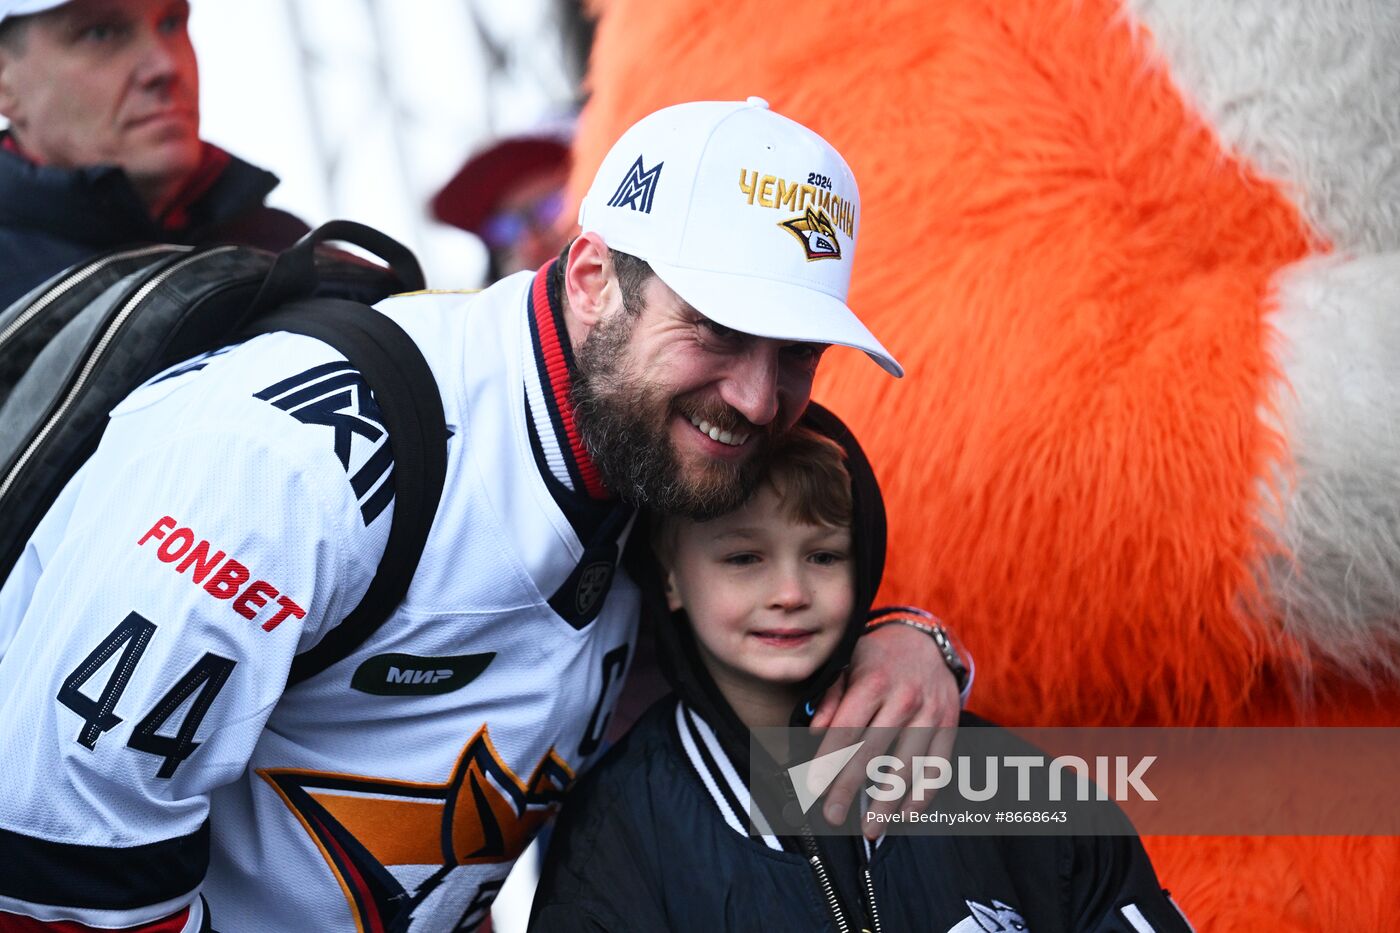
column 589, row 286
column 673, row 594
column 9, row 105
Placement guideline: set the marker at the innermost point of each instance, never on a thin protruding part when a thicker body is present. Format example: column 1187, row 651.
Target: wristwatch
column 931, row 626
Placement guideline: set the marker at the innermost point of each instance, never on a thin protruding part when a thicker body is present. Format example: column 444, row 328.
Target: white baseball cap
column 750, row 217
column 26, row 7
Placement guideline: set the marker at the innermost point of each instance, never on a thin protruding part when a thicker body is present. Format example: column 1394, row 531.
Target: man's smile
column 729, row 438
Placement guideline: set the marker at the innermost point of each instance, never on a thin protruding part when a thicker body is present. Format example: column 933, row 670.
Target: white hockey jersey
column 234, row 512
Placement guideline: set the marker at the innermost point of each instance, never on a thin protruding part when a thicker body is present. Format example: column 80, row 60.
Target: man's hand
column 897, row 678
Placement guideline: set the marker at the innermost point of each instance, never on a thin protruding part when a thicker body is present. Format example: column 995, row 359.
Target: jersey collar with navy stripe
column 569, row 472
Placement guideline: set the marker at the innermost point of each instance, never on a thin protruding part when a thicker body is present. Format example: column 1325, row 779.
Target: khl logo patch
column 337, row 396
column 592, row 586
column 638, row 188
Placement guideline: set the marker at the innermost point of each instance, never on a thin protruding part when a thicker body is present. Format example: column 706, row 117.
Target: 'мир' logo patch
column 817, row 234
column 638, row 188
column 412, row 675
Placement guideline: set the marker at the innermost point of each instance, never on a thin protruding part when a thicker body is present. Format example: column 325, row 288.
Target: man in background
column 103, row 148
column 511, row 196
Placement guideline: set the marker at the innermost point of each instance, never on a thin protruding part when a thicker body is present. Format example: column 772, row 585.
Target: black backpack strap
column 293, row 275
column 408, row 397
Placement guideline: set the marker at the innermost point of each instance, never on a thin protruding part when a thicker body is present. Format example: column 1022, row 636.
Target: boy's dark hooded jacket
column 656, row 837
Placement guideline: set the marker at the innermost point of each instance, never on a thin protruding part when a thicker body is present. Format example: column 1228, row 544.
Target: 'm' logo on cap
column 817, row 234
column 638, row 188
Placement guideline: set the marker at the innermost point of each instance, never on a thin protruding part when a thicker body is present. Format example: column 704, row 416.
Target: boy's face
column 768, row 597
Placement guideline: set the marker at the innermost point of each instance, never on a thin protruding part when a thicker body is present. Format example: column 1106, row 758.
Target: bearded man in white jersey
column 164, row 774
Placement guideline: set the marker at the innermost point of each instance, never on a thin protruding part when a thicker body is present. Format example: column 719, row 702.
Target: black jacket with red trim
column 52, row 218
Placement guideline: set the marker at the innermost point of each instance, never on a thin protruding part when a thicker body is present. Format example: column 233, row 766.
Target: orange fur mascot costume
column 1141, row 259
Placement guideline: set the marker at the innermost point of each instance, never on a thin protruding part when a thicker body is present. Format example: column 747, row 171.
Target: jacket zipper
column 809, row 843
column 870, row 899
column 831, row 902
column 73, row 281
column 108, row 334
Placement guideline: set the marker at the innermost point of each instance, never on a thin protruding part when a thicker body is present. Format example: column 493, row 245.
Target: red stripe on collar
column 557, row 367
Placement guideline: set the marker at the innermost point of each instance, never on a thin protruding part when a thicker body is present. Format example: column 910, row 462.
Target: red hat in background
column 474, row 193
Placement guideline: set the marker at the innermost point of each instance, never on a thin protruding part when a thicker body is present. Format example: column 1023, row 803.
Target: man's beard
column 624, row 421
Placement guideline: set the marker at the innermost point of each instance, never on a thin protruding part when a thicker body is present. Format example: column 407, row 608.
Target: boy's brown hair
column 808, row 472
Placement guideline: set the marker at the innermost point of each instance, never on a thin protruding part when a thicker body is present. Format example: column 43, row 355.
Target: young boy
column 767, row 602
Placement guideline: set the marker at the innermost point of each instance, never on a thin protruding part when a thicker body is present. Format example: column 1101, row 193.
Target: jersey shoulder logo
column 638, row 187
column 364, row 826
column 336, row 395
column 817, row 234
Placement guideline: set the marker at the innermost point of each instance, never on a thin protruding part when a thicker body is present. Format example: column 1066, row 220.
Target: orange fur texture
column 1074, row 275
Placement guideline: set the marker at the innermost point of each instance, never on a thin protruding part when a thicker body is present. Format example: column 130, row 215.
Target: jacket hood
column 676, row 648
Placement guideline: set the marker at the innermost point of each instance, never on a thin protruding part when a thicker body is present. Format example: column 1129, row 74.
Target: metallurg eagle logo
column 482, row 814
column 817, row 234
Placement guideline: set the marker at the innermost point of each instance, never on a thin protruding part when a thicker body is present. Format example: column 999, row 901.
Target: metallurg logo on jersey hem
column 483, row 814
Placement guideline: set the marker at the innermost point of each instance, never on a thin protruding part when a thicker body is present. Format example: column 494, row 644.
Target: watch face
column 950, row 654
